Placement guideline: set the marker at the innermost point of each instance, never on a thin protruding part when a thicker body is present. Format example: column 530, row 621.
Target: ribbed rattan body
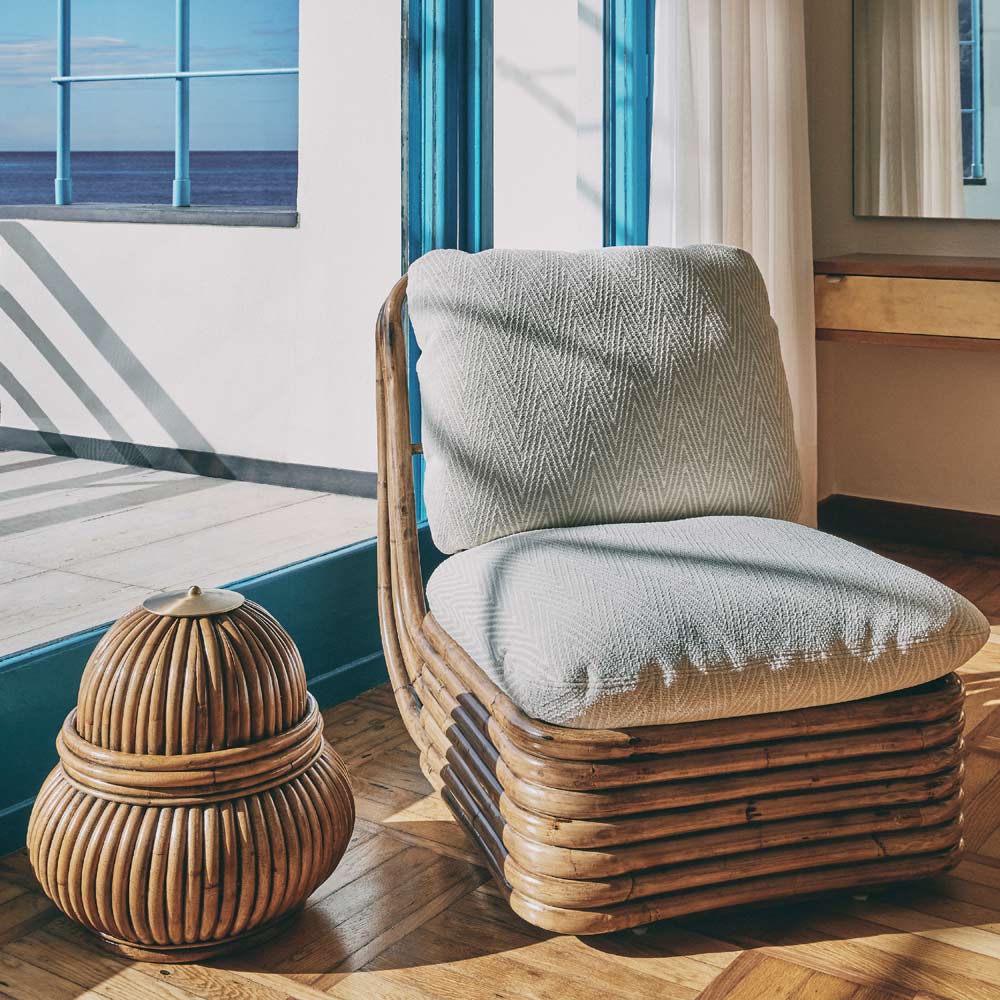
column 196, row 802
column 589, row 831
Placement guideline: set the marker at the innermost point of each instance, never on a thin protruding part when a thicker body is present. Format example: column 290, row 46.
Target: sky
column 134, row 36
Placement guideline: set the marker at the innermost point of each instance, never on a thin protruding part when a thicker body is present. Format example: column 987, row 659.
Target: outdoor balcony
column 84, row 541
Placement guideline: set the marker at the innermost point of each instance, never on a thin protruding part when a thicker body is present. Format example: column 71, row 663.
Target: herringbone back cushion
column 624, row 384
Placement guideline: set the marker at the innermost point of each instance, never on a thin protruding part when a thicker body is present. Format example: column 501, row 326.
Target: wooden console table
column 909, row 301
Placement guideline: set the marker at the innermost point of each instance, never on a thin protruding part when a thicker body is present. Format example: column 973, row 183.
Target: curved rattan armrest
column 411, row 638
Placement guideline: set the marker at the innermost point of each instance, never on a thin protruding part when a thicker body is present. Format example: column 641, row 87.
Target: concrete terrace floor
column 82, row 542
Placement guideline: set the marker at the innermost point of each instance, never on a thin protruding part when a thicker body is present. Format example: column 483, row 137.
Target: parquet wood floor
column 411, row 914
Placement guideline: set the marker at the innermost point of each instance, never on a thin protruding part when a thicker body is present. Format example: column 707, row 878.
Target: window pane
column 118, row 36
column 965, row 18
column 967, row 54
column 244, row 34
column 130, row 177
column 968, row 123
column 244, row 130
column 244, row 140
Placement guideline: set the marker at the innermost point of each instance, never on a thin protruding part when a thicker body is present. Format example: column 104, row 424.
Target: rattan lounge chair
column 590, row 830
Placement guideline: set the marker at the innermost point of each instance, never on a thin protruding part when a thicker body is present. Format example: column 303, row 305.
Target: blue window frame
column 447, row 83
column 628, row 107
column 182, row 76
column 970, row 41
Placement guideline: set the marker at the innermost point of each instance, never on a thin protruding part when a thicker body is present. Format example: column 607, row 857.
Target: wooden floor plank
column 981, row 814
column 383, row 734
column 21, row 980
column 755, row 975
column 981, row 939
column 605, row 963
column 425, row 896
column 982, row 694
column 353, row 729
column 23, row 913
column 935, row 958
column 813, row 935
column 419, row 819
column 107, row 976
column 365, row 914
column 10, row 890
column 380, row 696
column 406, row 983
column 398, row 767
column 980, row 769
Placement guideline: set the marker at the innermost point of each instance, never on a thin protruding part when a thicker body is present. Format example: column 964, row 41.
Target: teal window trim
column 628, row 117
column 447, row 67
column 182, row 76
column 974, row 111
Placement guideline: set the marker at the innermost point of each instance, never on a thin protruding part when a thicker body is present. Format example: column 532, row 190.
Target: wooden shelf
column 898, row 265
column 924, row 341
column 906, row 300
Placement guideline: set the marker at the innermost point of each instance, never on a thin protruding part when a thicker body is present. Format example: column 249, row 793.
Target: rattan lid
column 194, row 603
column 191, row 672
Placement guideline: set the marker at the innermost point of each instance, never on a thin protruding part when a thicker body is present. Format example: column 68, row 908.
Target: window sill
column 162, row 214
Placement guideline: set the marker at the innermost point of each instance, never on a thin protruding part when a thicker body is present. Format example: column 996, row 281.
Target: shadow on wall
column 529, row 82
column 109, row 345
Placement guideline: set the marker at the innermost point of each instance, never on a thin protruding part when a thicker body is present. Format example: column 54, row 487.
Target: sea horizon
column 218, row 177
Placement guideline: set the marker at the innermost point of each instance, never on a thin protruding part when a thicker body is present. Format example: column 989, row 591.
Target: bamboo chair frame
column 589, row 831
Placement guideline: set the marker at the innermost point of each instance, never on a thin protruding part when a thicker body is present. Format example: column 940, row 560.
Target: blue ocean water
column 251, row 177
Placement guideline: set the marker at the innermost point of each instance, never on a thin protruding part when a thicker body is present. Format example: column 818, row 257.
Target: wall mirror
column 927, row 108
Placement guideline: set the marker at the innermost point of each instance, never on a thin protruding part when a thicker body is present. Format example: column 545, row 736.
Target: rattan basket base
column 200, row 952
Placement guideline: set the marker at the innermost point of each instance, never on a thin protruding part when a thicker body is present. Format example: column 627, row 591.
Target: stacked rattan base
column 590, row 831
column 709, row 814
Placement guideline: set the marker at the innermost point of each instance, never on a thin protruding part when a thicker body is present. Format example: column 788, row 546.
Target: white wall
column 263, row 338
column 547, row 134
column 912, row 425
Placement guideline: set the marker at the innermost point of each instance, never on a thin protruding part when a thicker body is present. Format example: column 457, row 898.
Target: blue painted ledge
column 327, row 603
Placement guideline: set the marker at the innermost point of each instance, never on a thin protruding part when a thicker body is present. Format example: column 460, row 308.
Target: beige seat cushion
column 702, row 618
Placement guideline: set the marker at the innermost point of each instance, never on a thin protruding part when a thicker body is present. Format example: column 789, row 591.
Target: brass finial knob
column 194, row 603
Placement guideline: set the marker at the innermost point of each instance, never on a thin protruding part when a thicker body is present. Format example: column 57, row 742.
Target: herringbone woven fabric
column 702, row 618
column 624, row 384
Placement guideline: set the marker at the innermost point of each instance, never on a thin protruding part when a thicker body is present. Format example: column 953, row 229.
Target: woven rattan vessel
column 196, row 802
column 589, row 831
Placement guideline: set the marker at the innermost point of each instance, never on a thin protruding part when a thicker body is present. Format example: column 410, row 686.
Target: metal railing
column 182, row 76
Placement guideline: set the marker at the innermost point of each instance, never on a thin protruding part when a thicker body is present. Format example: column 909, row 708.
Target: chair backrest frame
column 400, row 605
column 412, row 638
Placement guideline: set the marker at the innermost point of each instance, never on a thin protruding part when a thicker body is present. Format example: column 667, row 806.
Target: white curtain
column 907, row 108
column 730, row 164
